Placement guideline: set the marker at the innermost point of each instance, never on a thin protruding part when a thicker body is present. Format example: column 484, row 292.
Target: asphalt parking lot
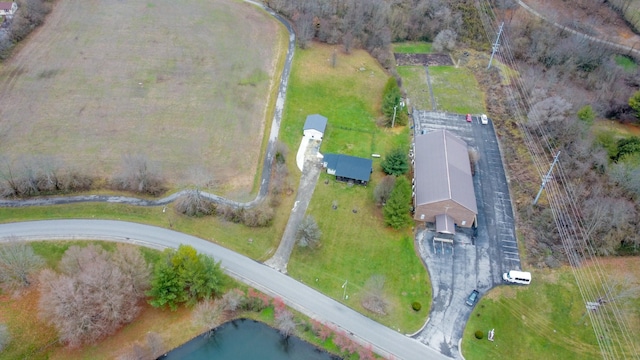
column 477, row 258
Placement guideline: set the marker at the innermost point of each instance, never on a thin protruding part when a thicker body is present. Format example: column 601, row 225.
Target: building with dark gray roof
column 348, row 168
column 443, row 184
column 314, row 126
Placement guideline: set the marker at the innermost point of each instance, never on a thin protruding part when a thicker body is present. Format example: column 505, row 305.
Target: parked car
column 473, row 298
column 468, row 117
column 483, row 119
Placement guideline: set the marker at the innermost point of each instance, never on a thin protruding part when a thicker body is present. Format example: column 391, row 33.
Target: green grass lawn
column 355, row 246
column 227, row 234
column 456, row 90
column 412, row 47
column 545, row 320
column 414, row 82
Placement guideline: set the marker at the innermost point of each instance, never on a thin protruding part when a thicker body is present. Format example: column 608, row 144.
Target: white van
column 517, row 277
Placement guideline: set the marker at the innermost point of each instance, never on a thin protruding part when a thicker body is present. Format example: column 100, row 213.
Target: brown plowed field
column 185, row 83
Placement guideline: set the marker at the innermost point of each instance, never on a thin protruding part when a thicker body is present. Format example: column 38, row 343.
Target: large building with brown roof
column 443, row 184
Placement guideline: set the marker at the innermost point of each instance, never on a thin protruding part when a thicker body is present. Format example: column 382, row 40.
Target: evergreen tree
column 396, row 211
column 391, row 99
column 396, row 162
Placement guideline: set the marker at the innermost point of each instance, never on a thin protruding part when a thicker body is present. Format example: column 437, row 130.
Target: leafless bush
column 138, row 175
column 30, row 176
column 17, row 263
column 194, row 204
column 374, row 298
column 232, row 301
column 91, row 297
column 285, row 322
column 259, row 216
column 280, row 179
column 230, row 213
column 383, row 189
column 281, row 152
column 207, row 314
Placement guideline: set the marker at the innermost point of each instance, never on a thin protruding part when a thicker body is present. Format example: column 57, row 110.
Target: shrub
column 479, row 334
column 416, row 306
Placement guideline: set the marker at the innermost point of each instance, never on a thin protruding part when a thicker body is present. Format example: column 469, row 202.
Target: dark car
column 468, row 117
column 473, row 298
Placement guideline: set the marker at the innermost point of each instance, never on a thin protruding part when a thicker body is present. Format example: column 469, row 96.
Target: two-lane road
column 385, row 341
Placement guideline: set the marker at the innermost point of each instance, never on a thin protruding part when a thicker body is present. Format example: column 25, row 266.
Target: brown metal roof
column 442, row 170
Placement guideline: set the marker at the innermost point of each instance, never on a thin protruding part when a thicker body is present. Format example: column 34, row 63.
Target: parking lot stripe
column 510, row 252
column 510, row 247
column 506, row 258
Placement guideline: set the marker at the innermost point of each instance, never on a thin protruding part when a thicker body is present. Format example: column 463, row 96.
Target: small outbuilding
column 8, row 8
column 314, row 126
column 348, row 168
column 443, row 184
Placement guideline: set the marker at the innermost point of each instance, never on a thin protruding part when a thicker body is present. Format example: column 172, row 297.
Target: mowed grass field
column 355, row 245
column 182, row 83
column 547, row 319
column 414, row 82
column 456, row 90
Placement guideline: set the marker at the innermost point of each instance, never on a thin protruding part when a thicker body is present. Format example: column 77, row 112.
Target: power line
column 610, row 327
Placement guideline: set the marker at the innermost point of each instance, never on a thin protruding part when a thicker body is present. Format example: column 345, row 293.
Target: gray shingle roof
column 315, row 122
column 442, row 170
column 349, row 166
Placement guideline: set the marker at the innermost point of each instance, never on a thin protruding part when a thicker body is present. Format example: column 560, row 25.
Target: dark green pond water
column 245, row 339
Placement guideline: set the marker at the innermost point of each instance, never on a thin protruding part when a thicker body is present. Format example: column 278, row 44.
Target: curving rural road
column 385, row 341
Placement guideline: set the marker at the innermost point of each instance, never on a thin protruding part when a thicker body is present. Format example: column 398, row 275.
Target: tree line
column 374, row 24
column 568, row 83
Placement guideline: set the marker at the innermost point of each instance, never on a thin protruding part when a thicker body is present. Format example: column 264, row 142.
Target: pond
column 245, row 339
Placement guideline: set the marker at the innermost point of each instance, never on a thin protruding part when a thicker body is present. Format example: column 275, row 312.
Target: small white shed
column 8, row 8
column 315, row 126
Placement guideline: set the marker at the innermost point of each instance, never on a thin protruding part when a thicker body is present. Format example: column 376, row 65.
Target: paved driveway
column 477, row 258
column 295, row 294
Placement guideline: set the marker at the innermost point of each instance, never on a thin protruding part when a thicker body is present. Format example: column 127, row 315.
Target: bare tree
column 308, row 233
column 138, row 175
column 383, row 189
column 17, row 263
column 445, row 41
column 374, row 298
column 90, row 299
column 5, row 337
column 134, row 268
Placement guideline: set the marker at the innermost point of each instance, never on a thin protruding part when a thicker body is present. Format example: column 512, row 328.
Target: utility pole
column 495, row 45
column 393, row 122
column 546, row 178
